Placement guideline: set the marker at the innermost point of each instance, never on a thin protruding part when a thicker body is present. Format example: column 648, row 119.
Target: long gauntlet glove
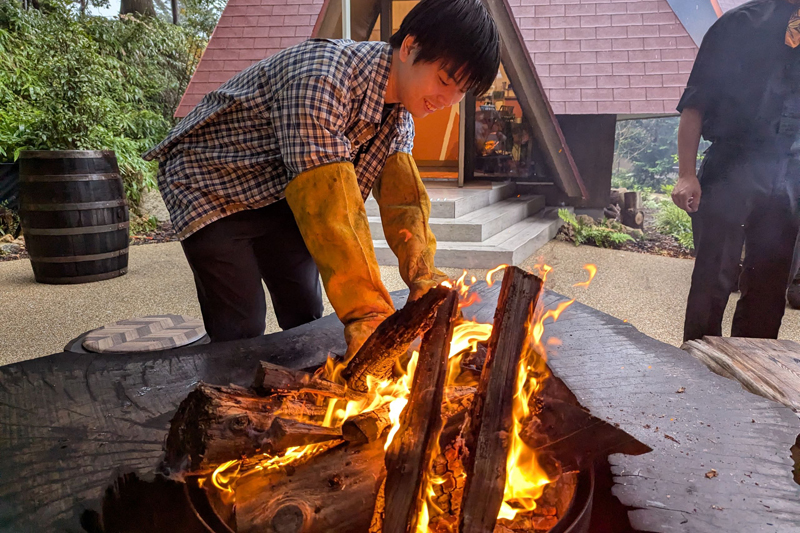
column 330, row 213
column 405, row 209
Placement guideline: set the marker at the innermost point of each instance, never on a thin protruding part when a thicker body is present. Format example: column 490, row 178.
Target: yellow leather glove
column 329, row 210
column 405, row 209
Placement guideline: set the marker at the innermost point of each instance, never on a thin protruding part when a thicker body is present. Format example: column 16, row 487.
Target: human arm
column 405, row 209
column 687, row 192
column 326, row 201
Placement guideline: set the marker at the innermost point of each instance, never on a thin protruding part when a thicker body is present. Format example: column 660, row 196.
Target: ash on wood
column 766, row 367
column 391, row 340
column 410, row 452
column 486, row 436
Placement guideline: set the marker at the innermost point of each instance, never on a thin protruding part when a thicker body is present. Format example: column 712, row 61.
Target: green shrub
column 672, row 220
column 608, row 235
column 77, row 82
column 9, row 220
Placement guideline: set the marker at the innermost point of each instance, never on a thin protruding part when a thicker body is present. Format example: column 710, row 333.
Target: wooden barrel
column 74, row 215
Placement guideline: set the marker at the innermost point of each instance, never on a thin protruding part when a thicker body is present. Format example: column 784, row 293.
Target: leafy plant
column 141, row 225
column 672, row 220
column 608, row 235
column 9, row 220
column 650, row 148
column 69, row 81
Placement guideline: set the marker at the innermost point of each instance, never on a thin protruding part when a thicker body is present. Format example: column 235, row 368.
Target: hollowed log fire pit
column 387, row 442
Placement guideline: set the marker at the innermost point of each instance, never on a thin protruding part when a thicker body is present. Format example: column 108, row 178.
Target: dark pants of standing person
column 231, row 256
column 750, row 199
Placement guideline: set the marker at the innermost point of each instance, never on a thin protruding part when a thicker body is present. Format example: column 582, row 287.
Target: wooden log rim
column 69, row 423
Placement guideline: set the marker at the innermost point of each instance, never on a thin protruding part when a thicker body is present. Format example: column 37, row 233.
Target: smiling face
column 423, row 87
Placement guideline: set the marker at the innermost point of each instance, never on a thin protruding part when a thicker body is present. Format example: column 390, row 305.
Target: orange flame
column 492, row 272
column 525, row 479
column 592, row 270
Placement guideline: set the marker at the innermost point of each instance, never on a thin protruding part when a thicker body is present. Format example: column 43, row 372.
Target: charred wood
column 415, row 443
column 391, row 340
column 486, row 435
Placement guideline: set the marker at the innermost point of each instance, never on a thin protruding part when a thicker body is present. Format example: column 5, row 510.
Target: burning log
column 284, row 434
column 275, row 379
column 391, row 340
column 215, row 424
column 332, row 493
column 367, row 427
column 412, row 448
column 487, row 435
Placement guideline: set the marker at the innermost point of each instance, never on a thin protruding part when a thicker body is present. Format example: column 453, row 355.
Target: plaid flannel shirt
column 315, row 103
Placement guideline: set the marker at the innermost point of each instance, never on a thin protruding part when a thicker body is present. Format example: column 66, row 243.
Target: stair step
column 478, row 225
column 454, row 202
column 512, row 246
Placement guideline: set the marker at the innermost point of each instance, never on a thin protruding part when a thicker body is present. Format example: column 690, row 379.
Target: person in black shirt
column 743, row 95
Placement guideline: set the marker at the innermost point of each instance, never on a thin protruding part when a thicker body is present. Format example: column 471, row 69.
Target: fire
column 592, row 270
column 525, row 479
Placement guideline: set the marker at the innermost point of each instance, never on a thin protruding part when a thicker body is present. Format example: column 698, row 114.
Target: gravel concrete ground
column 36, row 320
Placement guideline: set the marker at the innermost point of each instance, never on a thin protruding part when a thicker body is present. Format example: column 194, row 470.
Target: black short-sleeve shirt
column 746, row 80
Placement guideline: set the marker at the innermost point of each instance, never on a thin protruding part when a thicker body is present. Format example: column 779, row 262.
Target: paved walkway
column 36, row 320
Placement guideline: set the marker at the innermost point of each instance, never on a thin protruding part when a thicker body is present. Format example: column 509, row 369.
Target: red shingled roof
column 248, row 31
column 606, row 56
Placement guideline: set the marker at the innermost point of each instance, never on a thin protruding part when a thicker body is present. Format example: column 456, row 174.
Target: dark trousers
column 750, row 200
column 230, row 258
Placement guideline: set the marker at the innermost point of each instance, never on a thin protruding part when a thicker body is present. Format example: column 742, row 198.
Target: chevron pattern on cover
column 145, row 334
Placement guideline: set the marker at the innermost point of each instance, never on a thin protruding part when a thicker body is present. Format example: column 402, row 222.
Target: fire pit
column 70, row 424
column 462, row 434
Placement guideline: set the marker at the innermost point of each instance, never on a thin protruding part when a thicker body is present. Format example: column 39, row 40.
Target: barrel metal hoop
column 73, row 207
column 77, row 231
column 83, row 279
column 65, row 154
column 31, row 178
column 79, row 258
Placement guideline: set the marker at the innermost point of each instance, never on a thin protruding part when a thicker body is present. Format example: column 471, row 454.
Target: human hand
column 687, row 192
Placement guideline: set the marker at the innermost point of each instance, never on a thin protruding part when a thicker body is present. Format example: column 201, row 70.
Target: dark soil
column 656, row 243
column 163, row 233
column 653, row 243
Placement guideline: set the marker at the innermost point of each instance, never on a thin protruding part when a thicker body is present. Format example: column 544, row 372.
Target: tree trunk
column 142, row 7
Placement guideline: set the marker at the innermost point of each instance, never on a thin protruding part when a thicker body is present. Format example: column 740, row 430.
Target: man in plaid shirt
column 266, row 178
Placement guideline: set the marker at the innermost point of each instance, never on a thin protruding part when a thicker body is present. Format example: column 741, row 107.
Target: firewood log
column 215, row 424
column 391, row 340
column 491, row 417
column 411, row 451
column 275, row 379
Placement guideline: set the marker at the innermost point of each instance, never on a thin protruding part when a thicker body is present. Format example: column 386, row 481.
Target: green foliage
column 610, row 234
column 141, row 225
column 651, row 148
column 672, row 220
column 69, row 81
column 9, row 220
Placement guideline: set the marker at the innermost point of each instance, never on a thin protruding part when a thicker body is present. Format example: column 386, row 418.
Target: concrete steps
column 480, row 226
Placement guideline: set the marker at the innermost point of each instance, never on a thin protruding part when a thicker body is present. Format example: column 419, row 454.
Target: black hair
column 460, row 34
